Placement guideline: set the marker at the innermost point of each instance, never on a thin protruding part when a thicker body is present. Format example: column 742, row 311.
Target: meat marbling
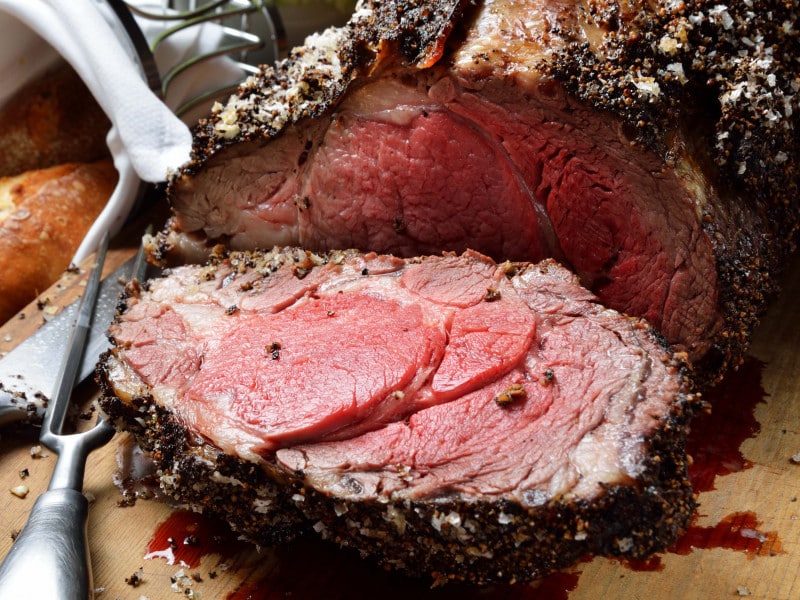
column 495, row 415
column 648, row 146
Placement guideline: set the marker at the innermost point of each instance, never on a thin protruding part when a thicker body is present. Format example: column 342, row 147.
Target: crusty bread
column 52, row 120
column 44, row 215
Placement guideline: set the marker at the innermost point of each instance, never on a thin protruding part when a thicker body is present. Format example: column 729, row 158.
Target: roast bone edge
column 483, row 470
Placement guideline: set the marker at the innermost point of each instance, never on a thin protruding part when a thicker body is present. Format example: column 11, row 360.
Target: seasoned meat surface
column 649, row 147
column 323, row 390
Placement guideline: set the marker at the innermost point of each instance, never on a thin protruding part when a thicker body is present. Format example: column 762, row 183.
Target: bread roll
column 52, row 120
column 44, row 215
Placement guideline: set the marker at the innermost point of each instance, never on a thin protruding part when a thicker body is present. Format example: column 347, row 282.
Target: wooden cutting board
column 743, row 542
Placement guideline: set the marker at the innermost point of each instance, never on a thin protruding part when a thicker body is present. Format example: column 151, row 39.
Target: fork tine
column 171, row 13
column 199, row 20
column 251, row 33
column 243, row 42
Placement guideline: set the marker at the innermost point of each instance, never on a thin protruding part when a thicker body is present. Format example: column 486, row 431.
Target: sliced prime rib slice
column 648, row 146
column 447, row 415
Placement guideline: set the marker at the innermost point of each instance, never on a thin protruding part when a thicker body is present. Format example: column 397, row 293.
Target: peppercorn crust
column 726, row 74
column 453, row 539
column 476, row 538
column 708, row 88
column 644, row 62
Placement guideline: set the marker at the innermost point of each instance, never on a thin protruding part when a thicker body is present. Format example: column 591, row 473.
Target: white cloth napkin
column 154, row 138
column 146, row 139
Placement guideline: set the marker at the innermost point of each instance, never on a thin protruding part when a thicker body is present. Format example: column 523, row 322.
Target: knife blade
column 28, row 373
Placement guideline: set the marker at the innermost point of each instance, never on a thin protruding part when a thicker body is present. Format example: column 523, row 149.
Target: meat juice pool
column 714, row 445
column 716, row 436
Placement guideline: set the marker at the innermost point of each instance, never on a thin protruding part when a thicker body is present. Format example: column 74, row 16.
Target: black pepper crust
column 502, row 542
column 448, row 539
column 418, row 29
column 414, row 31
column 201, row 477
column 728, row 75
column 729, row 68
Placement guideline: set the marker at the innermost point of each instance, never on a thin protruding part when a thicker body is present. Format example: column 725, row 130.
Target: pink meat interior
column 414, row 166
column 383, row 377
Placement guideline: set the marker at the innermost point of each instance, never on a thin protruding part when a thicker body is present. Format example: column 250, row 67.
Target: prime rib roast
column 447, row 415
column 631, row 170
column 648, row 146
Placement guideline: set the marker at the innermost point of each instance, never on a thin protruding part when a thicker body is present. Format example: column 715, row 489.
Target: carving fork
column 50, row 558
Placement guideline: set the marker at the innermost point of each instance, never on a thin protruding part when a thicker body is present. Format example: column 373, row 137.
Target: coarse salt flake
column 625, row 544
column 505, row 519
column 648, row 85
column 20, row 491
column 720, row 13
column 677, row 70
column 668, row 45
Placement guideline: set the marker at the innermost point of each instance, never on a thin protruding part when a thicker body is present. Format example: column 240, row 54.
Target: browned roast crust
column 709, row 88
column 226, row 487
column 483, row 542
column 446, row 537
column 727, row 73
column 734, row 63
column 656, row 64
column 416, row 31
column 449, row 539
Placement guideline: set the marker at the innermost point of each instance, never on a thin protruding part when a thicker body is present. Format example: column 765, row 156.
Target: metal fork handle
column 50, row 558
column 73, row 452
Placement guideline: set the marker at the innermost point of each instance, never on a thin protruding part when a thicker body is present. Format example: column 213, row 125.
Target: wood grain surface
column 743, row 542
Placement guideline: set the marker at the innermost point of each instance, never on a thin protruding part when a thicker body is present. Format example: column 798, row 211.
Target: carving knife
column 28, row 374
